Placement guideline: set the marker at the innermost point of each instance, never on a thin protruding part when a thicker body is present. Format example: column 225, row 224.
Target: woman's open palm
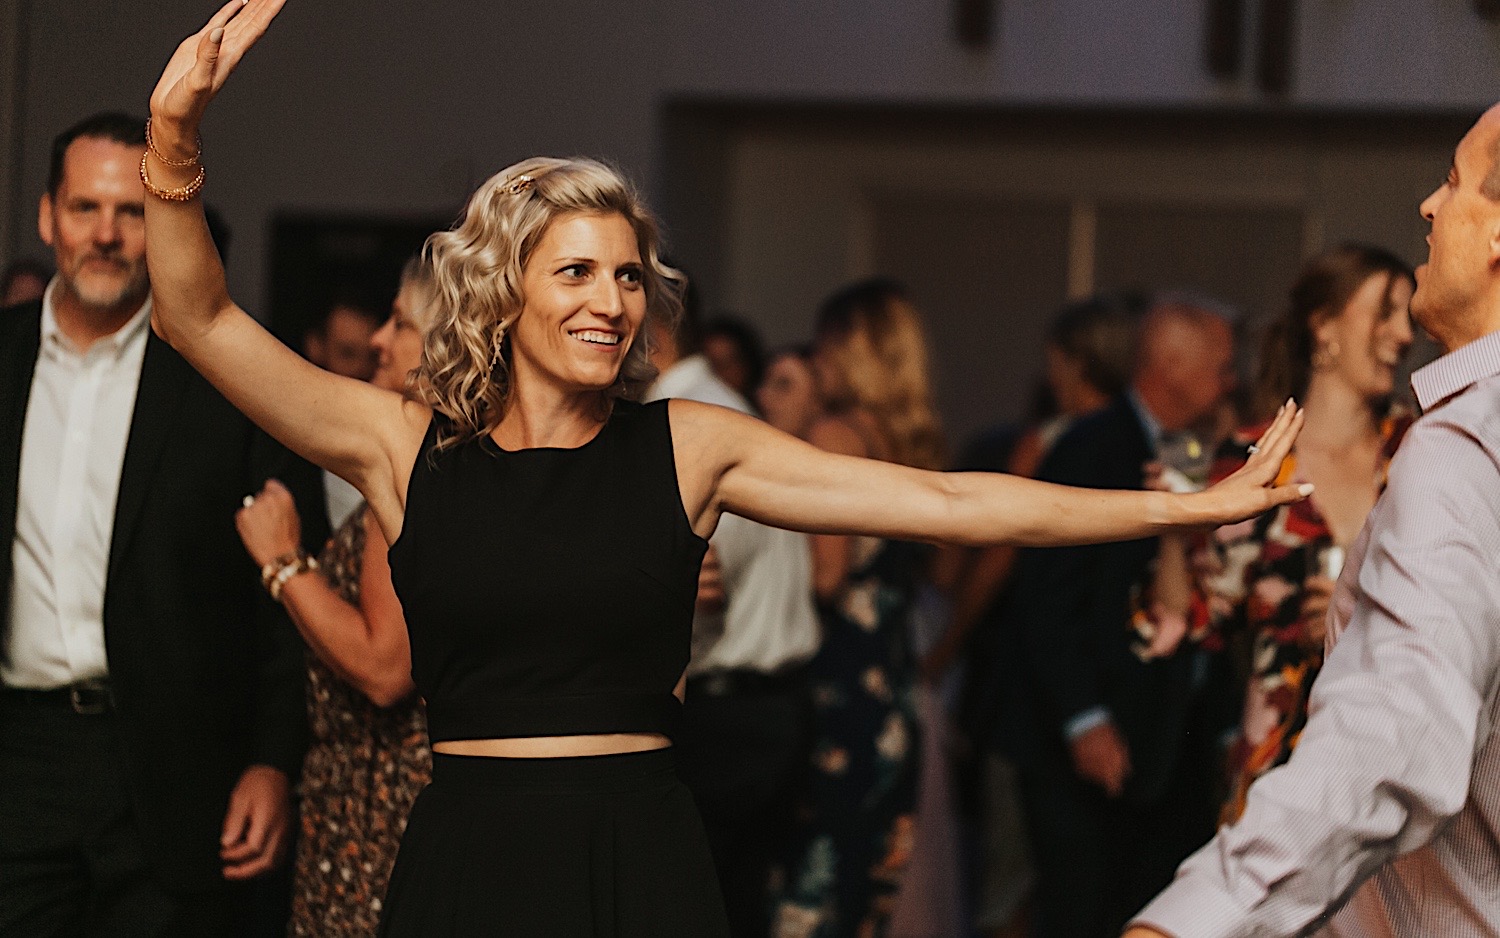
column 1253, row 489
column 204, row 60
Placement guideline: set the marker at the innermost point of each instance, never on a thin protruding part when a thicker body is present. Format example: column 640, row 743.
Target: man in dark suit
column 1115, row 793
column 151, row 703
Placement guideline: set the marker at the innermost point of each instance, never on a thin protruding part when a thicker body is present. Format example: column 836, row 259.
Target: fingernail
column 217, row 35
column 1305, row 489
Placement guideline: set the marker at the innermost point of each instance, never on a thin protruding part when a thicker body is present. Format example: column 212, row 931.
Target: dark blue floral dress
column 856, row 833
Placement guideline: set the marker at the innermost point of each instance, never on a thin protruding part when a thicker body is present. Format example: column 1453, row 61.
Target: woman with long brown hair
column 547, row 530
column 1338, row 347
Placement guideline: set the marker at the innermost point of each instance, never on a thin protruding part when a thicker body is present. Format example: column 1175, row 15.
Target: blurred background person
column 1090, row 354
column 369, row 755
column 788, row 392
column 1338, row 348
column 23, row 281
column 872, row 366
column 746, row 718
column 340, row 342
column 1115, row 788
column 735, row 352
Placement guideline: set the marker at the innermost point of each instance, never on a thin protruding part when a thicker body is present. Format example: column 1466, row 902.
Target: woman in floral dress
column 1338, row 348
column 857, row 835
column 369, row 755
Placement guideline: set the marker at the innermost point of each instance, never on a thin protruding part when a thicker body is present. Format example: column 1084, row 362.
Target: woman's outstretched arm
column 730, row 462
column 364, row 434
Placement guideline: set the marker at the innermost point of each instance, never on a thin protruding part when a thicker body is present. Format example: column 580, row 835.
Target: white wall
column 382, row 106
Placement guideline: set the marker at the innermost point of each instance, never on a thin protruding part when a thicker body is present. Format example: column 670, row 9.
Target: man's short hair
column 1200, row 307
column 354, row 299
column 126, row 129
column 1099, row 333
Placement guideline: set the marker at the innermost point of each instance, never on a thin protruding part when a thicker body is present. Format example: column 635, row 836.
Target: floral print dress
column 359, row 779
column 856, row 832
column 1252, row 576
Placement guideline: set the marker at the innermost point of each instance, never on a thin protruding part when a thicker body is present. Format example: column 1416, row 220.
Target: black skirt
column 584, row 847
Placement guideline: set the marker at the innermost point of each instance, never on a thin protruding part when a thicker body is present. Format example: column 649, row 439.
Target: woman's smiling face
column 585, row 301
column 1372, row 334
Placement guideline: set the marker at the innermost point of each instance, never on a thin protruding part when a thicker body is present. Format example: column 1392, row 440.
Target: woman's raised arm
column 730, row 462
column 365, row 434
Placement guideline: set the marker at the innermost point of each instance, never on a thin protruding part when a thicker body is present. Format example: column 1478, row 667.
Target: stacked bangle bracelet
column 274, row 575
column 161, row 157
column 181, row 193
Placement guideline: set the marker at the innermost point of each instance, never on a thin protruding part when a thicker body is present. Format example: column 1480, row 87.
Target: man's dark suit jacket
column 1071, row 612
column 207, row 672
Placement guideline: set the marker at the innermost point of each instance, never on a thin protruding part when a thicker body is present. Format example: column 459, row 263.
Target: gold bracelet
column 181, row 194
column 151, row 146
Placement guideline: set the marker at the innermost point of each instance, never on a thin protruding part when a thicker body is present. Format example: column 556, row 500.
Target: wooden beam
column 974, row 22
column 1278, row 33
column 1224, row 38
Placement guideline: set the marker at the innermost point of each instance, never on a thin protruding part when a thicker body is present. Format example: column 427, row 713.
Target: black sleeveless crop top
column 549, row 592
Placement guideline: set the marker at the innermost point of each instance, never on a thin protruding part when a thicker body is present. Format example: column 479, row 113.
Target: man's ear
column 44, row 218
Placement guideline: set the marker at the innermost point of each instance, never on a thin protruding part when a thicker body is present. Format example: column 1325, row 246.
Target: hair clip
column 520, row 184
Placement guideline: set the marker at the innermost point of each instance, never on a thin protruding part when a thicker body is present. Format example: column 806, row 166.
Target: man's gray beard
column 132, row 291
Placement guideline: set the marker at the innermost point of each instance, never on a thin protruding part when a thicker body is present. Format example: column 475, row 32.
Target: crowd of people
column 541, row 604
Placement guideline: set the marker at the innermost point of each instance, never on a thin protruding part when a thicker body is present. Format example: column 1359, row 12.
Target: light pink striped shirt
column 1392, row 796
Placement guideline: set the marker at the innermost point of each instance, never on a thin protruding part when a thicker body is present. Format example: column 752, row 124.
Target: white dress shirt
column 341, row 499
column 768, row 623
column 72, row 450
column 1392, row 796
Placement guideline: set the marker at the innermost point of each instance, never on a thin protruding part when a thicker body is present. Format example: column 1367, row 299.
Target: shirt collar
column 1148, row 420
column 679, row 376
column 116, row 342
column 1457, row 371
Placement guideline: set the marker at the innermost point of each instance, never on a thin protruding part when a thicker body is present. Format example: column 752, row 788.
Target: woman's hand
column 199, row 68
column 1253, row 489
column 269, row 524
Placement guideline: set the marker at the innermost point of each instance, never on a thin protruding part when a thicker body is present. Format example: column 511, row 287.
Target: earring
column 499, row 343
column 1325, row 356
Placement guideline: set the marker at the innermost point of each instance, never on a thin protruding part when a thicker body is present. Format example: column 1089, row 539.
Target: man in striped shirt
column 1386, row 821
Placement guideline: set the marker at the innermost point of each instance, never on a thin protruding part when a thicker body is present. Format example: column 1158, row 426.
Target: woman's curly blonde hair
column 477, row 269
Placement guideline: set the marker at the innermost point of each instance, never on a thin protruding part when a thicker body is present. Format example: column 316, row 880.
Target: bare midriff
column 553, row 747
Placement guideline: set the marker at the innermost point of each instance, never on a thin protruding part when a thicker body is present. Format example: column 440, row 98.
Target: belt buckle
column 89, row 698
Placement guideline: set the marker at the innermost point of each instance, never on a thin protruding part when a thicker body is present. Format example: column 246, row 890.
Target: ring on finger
column 1252, row 450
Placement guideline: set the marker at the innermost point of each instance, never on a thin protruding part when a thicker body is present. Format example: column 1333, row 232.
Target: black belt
column 744, row 681
column 89, row 698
